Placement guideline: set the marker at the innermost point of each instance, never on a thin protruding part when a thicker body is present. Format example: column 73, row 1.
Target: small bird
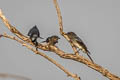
column 52, row 40
column 78, row 43
column 34, row 34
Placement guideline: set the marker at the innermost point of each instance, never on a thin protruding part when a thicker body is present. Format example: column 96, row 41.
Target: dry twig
column 61, row 26
column 9, row 76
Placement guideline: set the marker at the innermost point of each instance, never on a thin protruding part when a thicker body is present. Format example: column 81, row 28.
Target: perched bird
column 52, row 40
column 34, row 34
column 78, row 43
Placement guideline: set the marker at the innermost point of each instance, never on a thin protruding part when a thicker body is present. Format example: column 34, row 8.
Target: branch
column 59, row 17
column 77, row 57
column 16, row 32
column 61, row 26
column 16, row 77
column 45, row 56
column 12, row 28
column 59, row 52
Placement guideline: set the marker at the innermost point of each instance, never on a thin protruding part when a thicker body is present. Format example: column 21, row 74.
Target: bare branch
column 59, row 52
column 61, row 26
column 16, row 77
column 77, row 57
column 11, row 28
column 15, row 31
column 45, row 56
column 59, row 16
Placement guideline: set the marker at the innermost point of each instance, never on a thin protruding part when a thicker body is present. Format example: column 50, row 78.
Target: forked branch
column 58, row 51
column 79, row 58
column 42, row 54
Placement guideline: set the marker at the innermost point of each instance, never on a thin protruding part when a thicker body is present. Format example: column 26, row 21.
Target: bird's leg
column 36, row 45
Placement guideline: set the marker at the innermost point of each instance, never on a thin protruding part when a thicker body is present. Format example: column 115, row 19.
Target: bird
column 52, row 40
column 78, row 43
column 34, row 34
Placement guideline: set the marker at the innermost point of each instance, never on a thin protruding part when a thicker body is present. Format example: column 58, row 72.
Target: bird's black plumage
column 34, row 34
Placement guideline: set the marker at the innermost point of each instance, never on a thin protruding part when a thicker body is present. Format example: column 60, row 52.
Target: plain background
column 96, row 22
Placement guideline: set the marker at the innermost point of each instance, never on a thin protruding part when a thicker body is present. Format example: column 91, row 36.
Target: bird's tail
column 88, row 54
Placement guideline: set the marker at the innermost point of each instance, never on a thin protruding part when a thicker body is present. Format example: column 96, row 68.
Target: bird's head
column 55, row 38
column 71, row 34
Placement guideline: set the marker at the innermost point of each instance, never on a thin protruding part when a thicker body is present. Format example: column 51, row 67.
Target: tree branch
column 59, row 52
column 45, row 56
column 16, row 77
column 61, row 26
column 78, row 58
column 59, row 17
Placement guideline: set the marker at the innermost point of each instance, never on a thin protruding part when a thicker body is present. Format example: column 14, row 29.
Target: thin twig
column 16, row 77
column 59, row 16
column 61, row 26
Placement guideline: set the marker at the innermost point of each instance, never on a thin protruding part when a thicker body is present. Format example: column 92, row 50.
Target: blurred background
column 96, row 22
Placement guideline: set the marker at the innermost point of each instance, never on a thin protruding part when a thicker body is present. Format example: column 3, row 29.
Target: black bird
column 34, row 34
column 52, row 40
column 78, row 43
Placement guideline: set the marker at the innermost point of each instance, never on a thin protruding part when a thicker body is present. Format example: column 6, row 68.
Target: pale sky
column 96, row 22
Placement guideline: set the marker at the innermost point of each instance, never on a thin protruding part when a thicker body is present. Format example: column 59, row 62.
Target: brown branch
column 78, row 58
column 61, row 26
column 12, row 28
column 15, row 31
column 16, row 77
column 45, row 56
column 59, row 52
column 26, row 39
column 59, row 17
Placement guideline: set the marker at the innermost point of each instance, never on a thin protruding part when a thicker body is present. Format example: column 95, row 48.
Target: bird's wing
column 82, row 44
column 38, row 33
column 29, row 33
column 78, row 39
column 33, row 30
